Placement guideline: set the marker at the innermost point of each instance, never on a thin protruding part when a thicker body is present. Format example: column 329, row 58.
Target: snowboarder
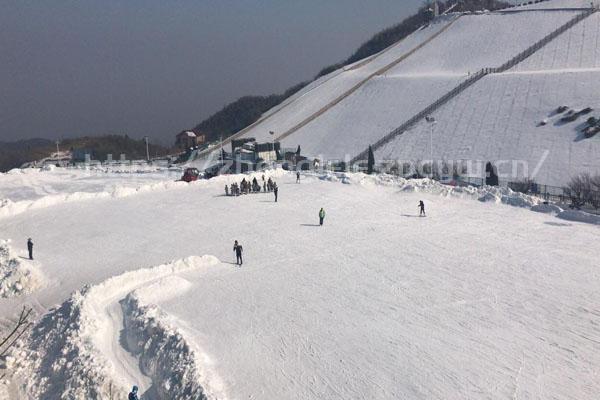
column 238, row 253
column 30, row 248
column 133, row 395
column 297, row 176
column 275, row 190
column 321, row 216
column 421, row 208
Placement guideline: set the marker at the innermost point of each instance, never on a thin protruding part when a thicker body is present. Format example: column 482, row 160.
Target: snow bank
column 484, row 193
column 579, row 216
column 10, row 208
column 173, row 364
column 547, row 209
column 17, row 277
column 64, row 356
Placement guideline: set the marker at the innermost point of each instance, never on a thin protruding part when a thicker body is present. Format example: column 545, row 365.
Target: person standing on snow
column 275, row 190
column 133, row 395
column 421, row 208
column 30, row 248
column 238, row 253
column 321, row 216
column 297, row 176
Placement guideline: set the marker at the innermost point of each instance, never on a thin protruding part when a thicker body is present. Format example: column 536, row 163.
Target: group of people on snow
column 247, row 186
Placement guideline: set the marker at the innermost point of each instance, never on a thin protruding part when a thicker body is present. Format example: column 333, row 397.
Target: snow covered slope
column 478, row 299
column 339, row 116
column 472, row 43
column 326, row 90
column 498, row 118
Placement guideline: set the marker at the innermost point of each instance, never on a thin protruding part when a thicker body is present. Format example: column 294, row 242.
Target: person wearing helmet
column 133, row 395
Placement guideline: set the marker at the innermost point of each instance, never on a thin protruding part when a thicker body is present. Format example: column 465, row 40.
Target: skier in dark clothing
column 297, row 176
column 238, row 253
column 321, row 216
column 30, row 248
column 421, row 208
column 275, row 190
column 133, row 395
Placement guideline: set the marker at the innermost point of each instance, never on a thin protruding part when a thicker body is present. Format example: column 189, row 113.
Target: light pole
column 147, row 150
column 273, row 148
column 431, row 120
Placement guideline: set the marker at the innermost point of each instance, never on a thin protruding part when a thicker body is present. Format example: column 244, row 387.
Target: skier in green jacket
column 321, row 216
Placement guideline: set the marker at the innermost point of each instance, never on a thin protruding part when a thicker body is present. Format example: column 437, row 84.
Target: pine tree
column 491, row 178
column 371, row 161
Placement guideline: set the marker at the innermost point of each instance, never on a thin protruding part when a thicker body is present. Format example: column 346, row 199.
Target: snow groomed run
column 482, row 298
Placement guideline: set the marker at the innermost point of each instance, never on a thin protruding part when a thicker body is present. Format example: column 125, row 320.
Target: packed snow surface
column 482, row 298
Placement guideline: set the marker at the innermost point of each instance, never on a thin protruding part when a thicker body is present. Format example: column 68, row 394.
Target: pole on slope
column 431, row 120
column 57, row 142
column 147, row 150
column 273, row 149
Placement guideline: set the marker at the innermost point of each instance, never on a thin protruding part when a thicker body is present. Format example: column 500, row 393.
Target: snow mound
column 64, row 357
column 17, row 277
column 164, row 353
column 579, row 216
column 547, row 209
column 48, row 167
column 492, row 194
column 10, row 208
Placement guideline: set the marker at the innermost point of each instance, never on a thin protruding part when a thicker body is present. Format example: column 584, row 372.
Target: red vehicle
column 190, row 175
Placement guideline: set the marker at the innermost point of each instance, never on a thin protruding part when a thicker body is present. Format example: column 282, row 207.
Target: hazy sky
column 155, row 67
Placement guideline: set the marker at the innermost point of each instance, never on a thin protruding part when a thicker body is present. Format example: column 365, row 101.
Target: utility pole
column 273, row 140
column 431, row 120
column 147, row 150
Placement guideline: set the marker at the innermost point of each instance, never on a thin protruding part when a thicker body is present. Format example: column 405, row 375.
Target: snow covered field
column 480, row 299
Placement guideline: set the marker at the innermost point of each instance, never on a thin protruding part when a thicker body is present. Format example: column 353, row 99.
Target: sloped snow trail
column 125, row 364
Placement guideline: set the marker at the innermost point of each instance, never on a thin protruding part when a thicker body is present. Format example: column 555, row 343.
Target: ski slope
column 387, row 101
column 576, row 49
column 318, row 95
column 480, row 299
column 497, row 118
column 340, row 115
